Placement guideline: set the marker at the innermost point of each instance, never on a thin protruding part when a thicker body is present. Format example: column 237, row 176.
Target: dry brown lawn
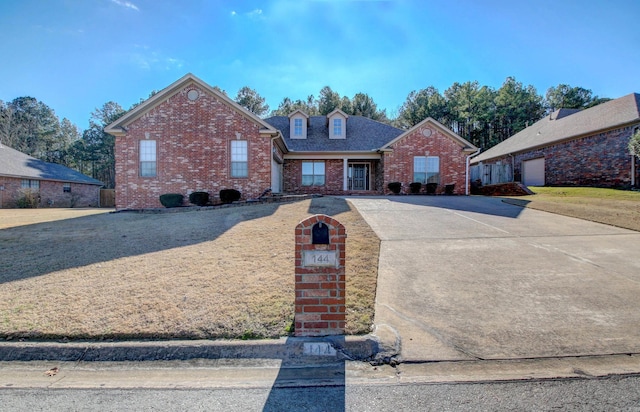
column 610, row 206
column 221, row 273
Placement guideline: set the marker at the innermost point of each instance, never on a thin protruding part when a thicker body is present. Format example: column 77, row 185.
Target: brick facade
column 193, row 140
column 398, row 164
column 50, row 194
column 334, row 178
column 601, row 160
column 193, row 127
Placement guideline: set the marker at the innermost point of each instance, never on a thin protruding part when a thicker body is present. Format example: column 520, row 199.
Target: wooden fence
column 107, row 198
column 492, row 174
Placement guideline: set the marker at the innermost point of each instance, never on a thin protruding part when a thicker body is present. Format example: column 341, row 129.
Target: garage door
column 533, row 171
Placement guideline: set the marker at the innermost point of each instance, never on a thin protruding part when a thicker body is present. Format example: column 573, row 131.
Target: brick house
column 52, row 185
column 569, row 147
column 191, row 137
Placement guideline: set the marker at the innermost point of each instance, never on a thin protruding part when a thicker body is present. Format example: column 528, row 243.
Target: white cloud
column 146, row 59
column 256, row 14
column 126, row 4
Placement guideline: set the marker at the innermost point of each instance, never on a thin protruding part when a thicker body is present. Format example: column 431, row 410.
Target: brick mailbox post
column 320, row 277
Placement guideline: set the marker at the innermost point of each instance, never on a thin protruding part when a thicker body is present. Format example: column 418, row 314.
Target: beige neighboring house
column 53, row 185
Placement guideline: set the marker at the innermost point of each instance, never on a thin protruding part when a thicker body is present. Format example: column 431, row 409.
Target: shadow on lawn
column 330, row 206
column 38, row 249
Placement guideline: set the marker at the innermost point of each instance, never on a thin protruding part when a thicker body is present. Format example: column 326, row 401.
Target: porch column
column 345, row 174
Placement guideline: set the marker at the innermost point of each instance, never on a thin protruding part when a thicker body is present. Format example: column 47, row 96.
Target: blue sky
column 75, row 55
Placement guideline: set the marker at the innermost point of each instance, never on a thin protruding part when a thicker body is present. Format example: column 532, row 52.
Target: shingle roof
column 17, row 164
column 363, row 134
column 566, row 124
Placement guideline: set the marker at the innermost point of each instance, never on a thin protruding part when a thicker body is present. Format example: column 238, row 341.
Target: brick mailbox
column 320, row 277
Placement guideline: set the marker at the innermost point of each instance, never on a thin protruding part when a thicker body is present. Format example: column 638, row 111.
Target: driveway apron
column 464, row 278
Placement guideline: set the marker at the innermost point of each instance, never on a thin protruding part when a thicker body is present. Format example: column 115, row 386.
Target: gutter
column 466, row 180
column 633, row 171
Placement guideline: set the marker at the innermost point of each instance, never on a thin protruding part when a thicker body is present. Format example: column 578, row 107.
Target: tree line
column 481, row 114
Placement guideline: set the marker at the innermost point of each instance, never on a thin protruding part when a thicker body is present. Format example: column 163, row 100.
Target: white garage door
column 533, row 171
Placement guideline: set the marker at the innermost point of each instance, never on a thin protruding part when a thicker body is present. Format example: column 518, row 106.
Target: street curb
column 290, row 350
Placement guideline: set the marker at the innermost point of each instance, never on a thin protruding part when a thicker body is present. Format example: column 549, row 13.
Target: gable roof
column 19, row 165
column 363, row 135
column 117, row 127
column 566, row 124
column 466, row 145
column 337, row 111
column 298, row 111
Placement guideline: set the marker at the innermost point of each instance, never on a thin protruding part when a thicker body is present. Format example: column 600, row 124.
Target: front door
column 359, row 176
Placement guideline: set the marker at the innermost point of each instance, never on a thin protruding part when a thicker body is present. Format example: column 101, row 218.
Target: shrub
column 476, row 187
column 199, row 198
column 171, row 199
column 415, row 187
column 28, row 199
column 395, row 187
column 229, row 195
column 448, row 189
column 431, row 188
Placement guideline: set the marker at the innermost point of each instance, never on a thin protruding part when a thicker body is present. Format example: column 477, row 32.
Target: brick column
column 320, row 277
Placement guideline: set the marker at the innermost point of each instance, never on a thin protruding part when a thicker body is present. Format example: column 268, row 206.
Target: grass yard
column 611, row 206
column 223, row 273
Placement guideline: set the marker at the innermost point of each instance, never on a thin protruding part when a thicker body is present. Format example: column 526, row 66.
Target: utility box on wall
column 320, row 277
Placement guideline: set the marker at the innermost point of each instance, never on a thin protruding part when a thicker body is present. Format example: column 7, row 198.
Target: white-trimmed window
column 297, row 127
column 426, row 169
column 30, row 184
column 239, row 159
column 66, row 187
column 337, row 127
column 313, row 173
column 148, row 158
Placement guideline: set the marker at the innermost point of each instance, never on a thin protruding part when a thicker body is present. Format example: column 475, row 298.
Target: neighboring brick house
column 570, row 147
column 50, row 184
column 191, row 137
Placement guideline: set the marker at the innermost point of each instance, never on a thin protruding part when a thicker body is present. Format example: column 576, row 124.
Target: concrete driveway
column 467, row 278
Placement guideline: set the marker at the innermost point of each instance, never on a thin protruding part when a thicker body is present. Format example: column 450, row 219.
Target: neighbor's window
column 30, row 184
column 297, row 127
column 420, row 169
column 433, row 169
column 426, row 169
column 147, row 158
column 66, row 187
column 313, row 173
column 337, row 127
column 239, row 159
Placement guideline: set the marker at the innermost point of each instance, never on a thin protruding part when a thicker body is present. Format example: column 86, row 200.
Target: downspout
column 633, row 171
column 513, row 167
column 466, row 180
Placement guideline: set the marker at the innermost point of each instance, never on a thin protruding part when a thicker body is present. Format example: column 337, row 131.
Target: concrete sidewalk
column 473, row 278
column 273, row 373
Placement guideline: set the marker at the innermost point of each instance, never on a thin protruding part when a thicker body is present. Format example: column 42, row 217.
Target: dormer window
column 337, row 124
column 298, row 125
column 337, row 127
